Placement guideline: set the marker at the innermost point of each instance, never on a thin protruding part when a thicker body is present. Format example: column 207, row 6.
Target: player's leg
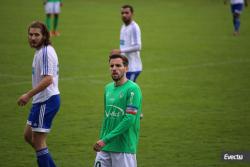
column 41, row 127
column 44, row 158
column 28, row 135
column 48, row 21
column 28, row 128
column 39, row 140
column 236, row 21
column 103, row 159
column 123, row 160
column 236, row 10
column 55, row 25
column 133, row 75
column 48, row 10
column 56, row 11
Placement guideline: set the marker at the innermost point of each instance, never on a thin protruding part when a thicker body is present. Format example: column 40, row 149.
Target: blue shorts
column 237, row 8
column 42, row 114
column 133, row 75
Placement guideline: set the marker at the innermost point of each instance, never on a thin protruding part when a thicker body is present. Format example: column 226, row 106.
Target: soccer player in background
column 130, row 42
column 45, row 93
column 237, row 8
column 119, row 135
column 52, row 8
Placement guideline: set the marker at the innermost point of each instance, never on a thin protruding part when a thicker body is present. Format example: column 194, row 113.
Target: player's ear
column 126, row 68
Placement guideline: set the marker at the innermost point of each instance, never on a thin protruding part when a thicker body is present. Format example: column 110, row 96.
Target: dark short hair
column 128, row 6
column 44, row 31
column 124, row 59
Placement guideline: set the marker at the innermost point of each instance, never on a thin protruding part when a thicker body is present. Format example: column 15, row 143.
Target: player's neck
column 39, row 47
column 121, row 81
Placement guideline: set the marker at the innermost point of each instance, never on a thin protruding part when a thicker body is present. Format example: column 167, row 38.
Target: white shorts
column 111, row 159
column 52, row 8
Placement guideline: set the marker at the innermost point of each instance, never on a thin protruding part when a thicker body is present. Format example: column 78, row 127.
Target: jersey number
column 98, row 164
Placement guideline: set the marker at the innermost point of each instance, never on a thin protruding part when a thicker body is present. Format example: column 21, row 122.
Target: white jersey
column 130, row 45
column 45, row 62
column 237, row 1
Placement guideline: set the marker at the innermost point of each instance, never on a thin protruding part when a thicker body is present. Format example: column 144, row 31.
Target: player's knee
column 38, row 142
column 236, row 15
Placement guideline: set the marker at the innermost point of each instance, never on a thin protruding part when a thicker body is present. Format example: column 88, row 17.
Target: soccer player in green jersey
column 52, row 8
column 119, row 135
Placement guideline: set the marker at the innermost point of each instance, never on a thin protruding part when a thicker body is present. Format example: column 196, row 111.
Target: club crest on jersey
column 110, row 97
column 121, row 95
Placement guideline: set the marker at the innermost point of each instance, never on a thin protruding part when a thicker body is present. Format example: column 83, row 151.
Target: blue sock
column 44, row 159
column 236, row 24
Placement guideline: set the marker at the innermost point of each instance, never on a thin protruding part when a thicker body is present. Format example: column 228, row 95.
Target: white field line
column 212, row 64
column 96, row 78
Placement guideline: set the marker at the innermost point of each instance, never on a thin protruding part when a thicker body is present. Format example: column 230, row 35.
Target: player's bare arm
column 45, row 82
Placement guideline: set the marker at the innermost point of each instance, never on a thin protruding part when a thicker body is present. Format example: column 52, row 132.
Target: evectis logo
column 236, row 156
column 233, row 157
column 114, row 111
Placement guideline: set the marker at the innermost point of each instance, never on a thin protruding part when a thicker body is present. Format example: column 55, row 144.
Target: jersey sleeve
column 103, row 122
column 133, row 101
column 136, row 35
column 133, row 105
column 48, row 61
column 135, row 40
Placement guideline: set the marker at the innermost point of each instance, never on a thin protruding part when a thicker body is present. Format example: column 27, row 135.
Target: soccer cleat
column 51, row 33
column 236, row 33
column 56, row 33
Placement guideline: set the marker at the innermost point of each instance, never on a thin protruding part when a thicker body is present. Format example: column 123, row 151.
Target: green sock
column 48, row 18
column 56, row 17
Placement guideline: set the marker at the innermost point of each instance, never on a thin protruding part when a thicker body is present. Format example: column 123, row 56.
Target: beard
column 126, row 20
column 36, row 45
column 117, row 77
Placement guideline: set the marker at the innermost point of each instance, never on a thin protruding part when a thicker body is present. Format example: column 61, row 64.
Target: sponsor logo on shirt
column 33, row 70
column 114, row 111
column 122, row 42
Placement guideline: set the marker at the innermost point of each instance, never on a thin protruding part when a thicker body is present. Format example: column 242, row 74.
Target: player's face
column 35, row 37
column 126, row 15
column 118, row 70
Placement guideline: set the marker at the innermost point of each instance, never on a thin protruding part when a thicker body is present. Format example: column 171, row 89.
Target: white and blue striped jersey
column 237, row 1
column 130, row 45
column 45, row 62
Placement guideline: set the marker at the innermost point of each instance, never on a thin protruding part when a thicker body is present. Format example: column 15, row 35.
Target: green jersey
column 121, row 124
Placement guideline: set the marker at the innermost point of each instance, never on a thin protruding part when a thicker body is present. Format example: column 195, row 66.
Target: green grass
column 195, row 82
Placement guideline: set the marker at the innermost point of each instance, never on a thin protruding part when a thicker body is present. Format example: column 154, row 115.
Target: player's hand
column 61, row 4
column 115, row 52
column 23, row 100
column 141, row 116
column 98, row 145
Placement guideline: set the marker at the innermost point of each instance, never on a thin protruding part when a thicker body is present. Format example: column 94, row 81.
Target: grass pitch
column 195, row 82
